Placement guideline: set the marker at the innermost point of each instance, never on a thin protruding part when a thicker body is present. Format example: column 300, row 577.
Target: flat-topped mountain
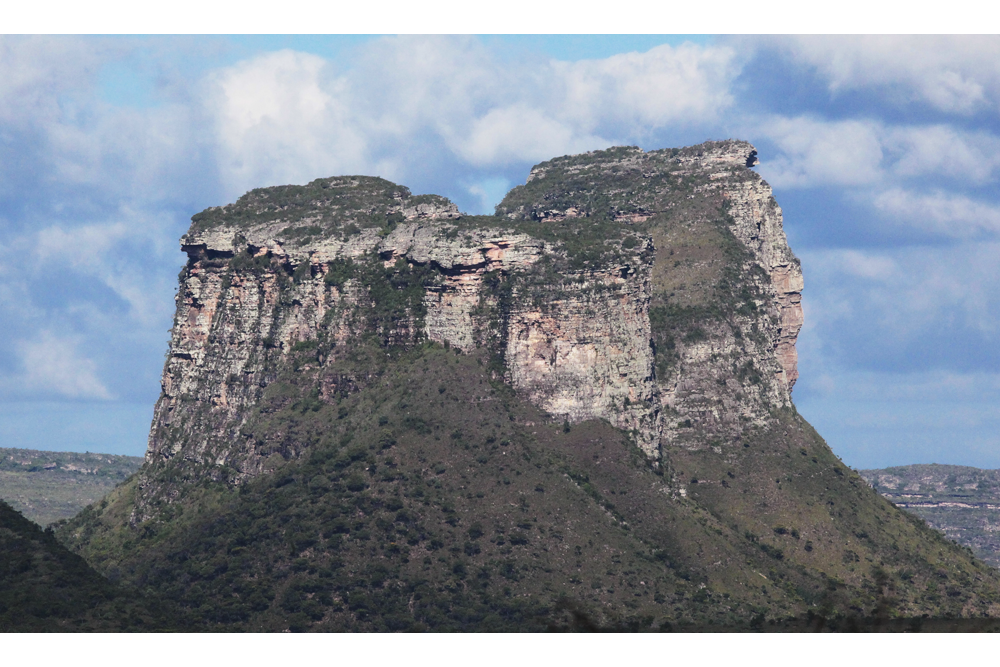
column 564, row 287
column 379, row 413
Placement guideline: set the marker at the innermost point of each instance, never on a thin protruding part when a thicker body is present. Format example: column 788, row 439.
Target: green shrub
column 475, row 531
column 339, row 271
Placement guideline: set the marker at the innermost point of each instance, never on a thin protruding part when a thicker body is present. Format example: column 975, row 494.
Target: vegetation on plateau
column 403, row 485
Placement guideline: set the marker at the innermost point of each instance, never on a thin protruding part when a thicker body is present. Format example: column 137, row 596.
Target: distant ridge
column 960, row 501
column 50, row 486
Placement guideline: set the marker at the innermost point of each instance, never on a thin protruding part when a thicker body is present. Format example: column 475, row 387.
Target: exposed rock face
column 587, row 355
column 617, row 335
column 729, row 369
column 757, row 223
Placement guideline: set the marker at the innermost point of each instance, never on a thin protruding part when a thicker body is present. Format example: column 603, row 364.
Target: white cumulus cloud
column 903, row 293
column 940, row 212
column 117, row 254
column 814, row 151
column 942, row 150
column 517, row 133
column 639, row 92
column 952, row 73
column 289, row 117
column 36, row 71
column 282, row 118
column 54, row 365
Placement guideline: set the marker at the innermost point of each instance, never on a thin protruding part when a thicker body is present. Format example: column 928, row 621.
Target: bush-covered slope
column 434, row 499
column 46, row 588
column 575, row 413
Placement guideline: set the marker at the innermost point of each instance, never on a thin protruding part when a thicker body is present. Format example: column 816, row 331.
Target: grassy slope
column 440, row 501
column 790, row 495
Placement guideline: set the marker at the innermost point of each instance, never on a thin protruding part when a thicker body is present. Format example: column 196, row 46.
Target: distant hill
column 960, row 501
column 49, row 486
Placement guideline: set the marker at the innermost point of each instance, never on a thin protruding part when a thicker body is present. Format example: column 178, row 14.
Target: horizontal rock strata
column 262, row 277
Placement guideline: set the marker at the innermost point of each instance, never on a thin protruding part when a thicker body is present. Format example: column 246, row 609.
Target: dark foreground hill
column 46, row 588
column 380, row 414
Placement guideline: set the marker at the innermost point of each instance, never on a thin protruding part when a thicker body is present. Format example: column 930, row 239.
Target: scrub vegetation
column 436, row 499
column 402, row 485
column 45, row 588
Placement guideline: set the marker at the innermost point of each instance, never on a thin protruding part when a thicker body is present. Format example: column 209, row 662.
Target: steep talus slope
column 379, row 413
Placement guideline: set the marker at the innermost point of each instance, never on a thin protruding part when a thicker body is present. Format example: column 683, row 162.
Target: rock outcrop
column 381, row 414
column 757, row 223
column 574, row 335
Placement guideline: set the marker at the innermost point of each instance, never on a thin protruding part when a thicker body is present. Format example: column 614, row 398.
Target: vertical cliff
column 609, row 307
column 381, row 413
column 720, row 288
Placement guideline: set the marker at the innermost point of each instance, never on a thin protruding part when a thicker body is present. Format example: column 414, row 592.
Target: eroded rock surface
column 654, row 290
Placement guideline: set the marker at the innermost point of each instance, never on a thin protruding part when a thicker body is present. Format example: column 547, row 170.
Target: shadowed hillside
column 45, row 588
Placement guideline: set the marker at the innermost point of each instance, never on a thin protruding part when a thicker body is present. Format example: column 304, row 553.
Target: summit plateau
column 380, row 413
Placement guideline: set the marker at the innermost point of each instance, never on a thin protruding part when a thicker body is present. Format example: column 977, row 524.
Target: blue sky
column 883, row 152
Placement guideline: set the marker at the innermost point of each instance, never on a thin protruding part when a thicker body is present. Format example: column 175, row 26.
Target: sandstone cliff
column 380, row 413
column 575, row 336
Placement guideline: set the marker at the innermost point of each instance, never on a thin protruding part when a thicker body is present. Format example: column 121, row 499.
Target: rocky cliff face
column 379, row 413
column 757, row 224
column 616, row 334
